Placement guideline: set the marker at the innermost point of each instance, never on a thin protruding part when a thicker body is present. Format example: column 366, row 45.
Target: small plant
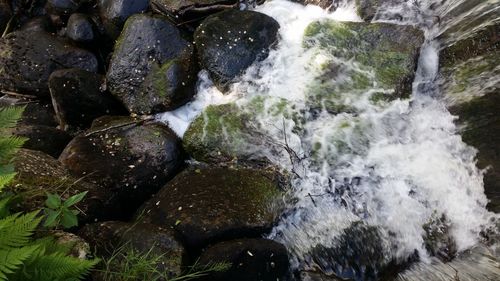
column 60, row 212
column 128, row 264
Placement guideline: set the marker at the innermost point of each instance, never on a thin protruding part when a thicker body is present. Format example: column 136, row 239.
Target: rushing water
column 391, row 168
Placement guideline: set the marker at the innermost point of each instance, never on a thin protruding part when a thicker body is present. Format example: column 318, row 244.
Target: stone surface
column 250, row 259
column 63, row 7
column 229, row 42
column 43, row 138
column 190, row 8
column 325, row 4
column 107, row 237
column 35, row 113
column 388, row 51
column 152, row 69
column 79, row 98
column 27, row 58
column 114, row 13
column 206, row 205
column 80, row 28
column 38, row 173
column 130, row 158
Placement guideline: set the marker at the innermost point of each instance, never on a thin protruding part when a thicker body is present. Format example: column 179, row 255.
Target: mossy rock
column 206, row 205
column 39, row 173
column 377, row 56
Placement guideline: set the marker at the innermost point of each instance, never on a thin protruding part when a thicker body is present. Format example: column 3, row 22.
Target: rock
column 79, row 248
column 118, row 238
column 130, row 158
column 229, row 42
column 185, row 9
column 78, row 98
column 206, row 205
column 316, row 276
column 43, row 138
column 39, row 24
column 27, row 58
column 152, row 69
column 385, row 9
column 35, row 113
column 5, row 14
column 325, row 4
column 114, row 13
column 367, row 9
column 470, row 86
column 250, row 260
column 38, row 173
column 388, row 51
column 80, row 28
column 63, row 7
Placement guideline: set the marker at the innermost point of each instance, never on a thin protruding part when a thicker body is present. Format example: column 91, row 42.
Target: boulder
column 385, row 57
column 79, row 97
column 39, row 173
column 80, row 28
column 114, row 13
column 43, row 138
column 230, row 41
column 325, row 4
column 63, row 7
column 35, row 113
column 5, row 14
column 250, row 260
column 113, row 238
column 206, row 205
column 470, row 86
column 184, row 9
column 27, row 58
column 130, row 158
column 152, row 69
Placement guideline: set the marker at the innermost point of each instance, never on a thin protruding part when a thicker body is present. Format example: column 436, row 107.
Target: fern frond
column 9, row 146
column 16, row 230
column 10, row 115
column 57, row 266
column 12, row 259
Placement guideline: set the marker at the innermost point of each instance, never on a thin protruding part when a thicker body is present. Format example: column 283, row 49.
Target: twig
column 135, row 122
column 312, row 199
column 7, row 27
column 14, row 94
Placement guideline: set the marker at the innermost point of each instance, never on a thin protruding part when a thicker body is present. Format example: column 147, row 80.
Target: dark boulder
column 152, row 68
column 63, row 7
column 39, row 173
column 79, row 97
column 35, row 113
column 113, row 238
column 250, row 260
column 130, row 158
column 185, row 9
column 43, row 138
column 229, row 42
column 80, row 28
column 29, row 57
column 5, row 14
column 210, row 204
column 114, row 13
column 39, row 24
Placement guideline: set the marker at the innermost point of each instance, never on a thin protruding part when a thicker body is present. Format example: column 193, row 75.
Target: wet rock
column 114, row 13
column 189, row 8
column 316, row 276
column 79, row 98
column 209, row 204
column 381, row 9
column 229, row 42
column 119, row 238
column 35, row 113
column 63, row 7
column 27, row 58
column 250, row 260
column 130, row 158
column 469, row 82
column 39, row 24
column 359, row 254
column 43, row 138
column 152, row 69
column 38, row 173
column 5, row 14
column 389, row 52
column 80, row 29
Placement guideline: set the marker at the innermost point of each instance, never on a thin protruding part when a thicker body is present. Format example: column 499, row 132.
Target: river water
column 381, row 174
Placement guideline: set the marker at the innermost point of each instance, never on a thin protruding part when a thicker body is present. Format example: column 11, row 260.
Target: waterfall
column 381, row 175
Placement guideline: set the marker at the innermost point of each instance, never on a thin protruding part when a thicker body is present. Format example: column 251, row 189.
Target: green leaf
column 10, row 115
column 11, row 260
column 16, row 230
column 52, row 218
column 53, row 201
column 68, row 219
column 75, row 199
